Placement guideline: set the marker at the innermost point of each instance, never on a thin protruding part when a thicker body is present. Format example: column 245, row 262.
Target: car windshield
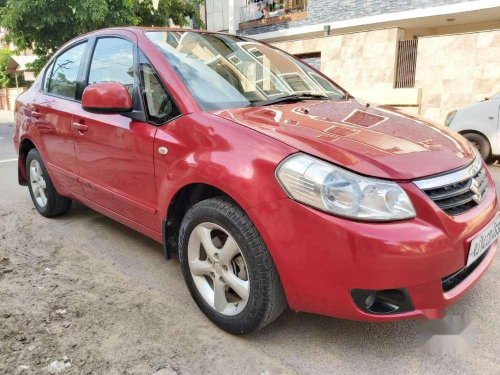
column 226, row 71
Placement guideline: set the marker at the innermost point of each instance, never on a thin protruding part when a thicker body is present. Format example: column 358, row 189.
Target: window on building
column 63, row 80
column 406, row 63
column 113, row 61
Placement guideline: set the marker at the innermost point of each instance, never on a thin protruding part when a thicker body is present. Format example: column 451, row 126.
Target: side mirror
column 106, row 97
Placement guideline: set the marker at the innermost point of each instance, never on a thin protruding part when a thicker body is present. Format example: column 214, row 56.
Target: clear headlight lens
column 449, row 118
column 329, row 188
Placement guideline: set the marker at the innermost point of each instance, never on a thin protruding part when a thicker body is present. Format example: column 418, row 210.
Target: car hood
column 377, row 141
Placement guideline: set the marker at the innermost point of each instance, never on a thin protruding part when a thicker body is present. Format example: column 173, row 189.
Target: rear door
column 115, row 152
column 53, row 110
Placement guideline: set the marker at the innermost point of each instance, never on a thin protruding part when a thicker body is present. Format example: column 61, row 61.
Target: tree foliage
column 42, row 26
column 6, row 80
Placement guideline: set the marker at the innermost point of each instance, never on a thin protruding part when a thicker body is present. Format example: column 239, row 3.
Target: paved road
column 296, row 343
column 6, row 131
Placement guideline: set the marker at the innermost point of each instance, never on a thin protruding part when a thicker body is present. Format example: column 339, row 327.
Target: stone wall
column 452, row 70
column 364, row 63
column 456, row 70
column 323, row 11
column 362, row 60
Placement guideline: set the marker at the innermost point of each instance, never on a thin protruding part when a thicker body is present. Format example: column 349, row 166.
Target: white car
column 479, row 123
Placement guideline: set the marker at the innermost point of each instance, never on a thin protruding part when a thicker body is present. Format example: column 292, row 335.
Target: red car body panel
column 109, row 95
column 414, row 254
column 374, row 141
column 115, row 160
column 242, row 175
column 112, row 165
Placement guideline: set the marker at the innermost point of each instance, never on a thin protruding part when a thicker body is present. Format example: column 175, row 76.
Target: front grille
column 457, row 192
column 451, row 281
column 457, row 198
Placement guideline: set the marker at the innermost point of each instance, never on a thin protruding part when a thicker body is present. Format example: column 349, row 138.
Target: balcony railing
column 266, row 12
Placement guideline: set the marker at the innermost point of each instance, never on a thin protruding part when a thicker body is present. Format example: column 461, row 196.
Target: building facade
column 427, row 57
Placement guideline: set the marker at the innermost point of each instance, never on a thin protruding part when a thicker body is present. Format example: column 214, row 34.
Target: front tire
column 228, row 268
column 481, row 144
column 46, row 199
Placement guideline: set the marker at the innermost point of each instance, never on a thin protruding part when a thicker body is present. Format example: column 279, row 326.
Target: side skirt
column 157, row 236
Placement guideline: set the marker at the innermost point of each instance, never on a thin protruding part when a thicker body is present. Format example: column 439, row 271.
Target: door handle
column 82, row 128
column 36, row 114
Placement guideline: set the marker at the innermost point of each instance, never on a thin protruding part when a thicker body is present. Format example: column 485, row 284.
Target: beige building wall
column 357, row 61
column 452, row 70
column 363, row 60
column 456, row 70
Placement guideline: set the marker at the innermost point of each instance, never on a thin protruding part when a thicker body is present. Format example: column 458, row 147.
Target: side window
column 63, row 79
column 46, row 78
column 159, row 104
column 113, row 61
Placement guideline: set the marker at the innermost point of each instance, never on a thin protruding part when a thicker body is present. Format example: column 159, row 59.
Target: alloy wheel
column 38, row 183
column 218, row 268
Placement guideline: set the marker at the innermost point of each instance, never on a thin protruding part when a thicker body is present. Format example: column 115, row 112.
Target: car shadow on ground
column 322, row 333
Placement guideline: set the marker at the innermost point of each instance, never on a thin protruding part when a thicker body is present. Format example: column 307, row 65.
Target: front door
column 115, row 153
column 53, row 112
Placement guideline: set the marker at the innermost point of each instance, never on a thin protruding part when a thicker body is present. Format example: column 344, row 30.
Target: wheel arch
column 474, row 131
column 25, row 146
column 183, row 199
column 465, row 131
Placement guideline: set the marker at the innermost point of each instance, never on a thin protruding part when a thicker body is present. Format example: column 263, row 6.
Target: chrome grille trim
column 459, row 191
column 451, row 178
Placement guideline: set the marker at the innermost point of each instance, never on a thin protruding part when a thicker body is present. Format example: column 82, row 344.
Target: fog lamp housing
column 383, row 302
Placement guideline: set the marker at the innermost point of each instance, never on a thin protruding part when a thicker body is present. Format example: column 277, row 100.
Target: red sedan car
column 272, row 184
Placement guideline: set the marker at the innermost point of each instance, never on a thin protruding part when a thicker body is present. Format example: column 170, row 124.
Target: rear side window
column 113, row 61
column 63, row 79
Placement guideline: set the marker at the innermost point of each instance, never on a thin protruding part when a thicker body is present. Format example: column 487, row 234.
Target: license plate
column 484, row 240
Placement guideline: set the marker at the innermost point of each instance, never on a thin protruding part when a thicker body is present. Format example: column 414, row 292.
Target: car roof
column 137, row 30
column 142, row 29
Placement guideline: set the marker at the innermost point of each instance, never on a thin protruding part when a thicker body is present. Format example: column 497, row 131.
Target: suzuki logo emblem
column 474, row 187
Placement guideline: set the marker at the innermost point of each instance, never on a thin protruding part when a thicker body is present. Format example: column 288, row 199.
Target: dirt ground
column 82, row 294
column 61, row 307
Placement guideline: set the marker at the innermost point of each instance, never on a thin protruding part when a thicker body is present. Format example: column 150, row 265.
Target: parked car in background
column 480, row 124
column 272, row 184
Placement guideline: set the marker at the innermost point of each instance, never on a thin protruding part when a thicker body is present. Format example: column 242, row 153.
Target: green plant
column 42, row 26
column 7, row 79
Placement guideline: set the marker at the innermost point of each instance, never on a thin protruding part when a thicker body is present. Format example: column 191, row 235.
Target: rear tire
column 213, row 224
column 46, row 199
column 481, row 144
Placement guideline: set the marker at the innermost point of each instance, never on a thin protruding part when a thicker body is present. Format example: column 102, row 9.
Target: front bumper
column 322, row 258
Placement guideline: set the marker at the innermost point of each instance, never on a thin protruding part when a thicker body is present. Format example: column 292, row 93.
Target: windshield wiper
column 289, row 98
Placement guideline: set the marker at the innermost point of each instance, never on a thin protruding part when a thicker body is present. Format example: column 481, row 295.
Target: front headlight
column 332, row 189
column 449, row 118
